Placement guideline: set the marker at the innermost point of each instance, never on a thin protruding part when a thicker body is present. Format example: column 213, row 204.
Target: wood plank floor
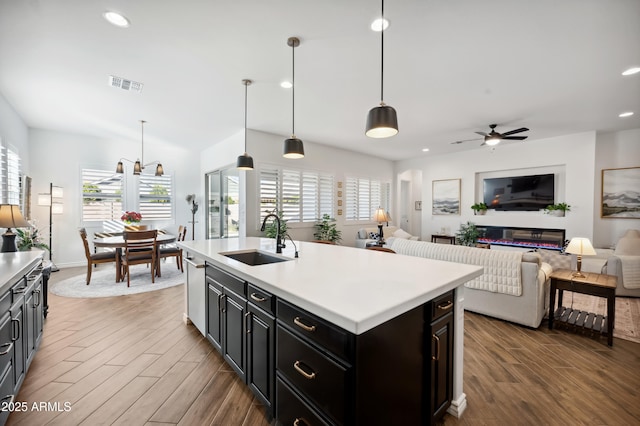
column 132, row 361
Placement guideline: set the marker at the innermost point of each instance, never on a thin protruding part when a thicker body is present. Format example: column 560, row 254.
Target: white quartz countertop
column 353, row 288
column 15, row 265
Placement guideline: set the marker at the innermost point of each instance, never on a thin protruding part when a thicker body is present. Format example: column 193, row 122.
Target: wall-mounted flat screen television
column 523, row 193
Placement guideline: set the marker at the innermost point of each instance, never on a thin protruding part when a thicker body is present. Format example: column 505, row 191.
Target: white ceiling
column 451, row 68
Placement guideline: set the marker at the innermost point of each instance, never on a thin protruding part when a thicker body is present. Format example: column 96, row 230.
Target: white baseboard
column 458, row 406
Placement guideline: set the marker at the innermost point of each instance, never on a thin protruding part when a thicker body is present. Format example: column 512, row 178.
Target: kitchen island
column 363, row 313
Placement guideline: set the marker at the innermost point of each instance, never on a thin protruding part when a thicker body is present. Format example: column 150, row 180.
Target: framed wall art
column 620, row 195
column 445, row 197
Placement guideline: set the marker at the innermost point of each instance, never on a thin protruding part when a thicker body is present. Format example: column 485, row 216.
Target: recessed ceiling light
column 286, row 85
column 425, row 149
column 116, row 19
column 379, row 24
column 626, row 114
column 631, row 71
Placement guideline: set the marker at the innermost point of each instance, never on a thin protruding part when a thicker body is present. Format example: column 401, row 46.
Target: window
column 10, row 168
column 155, row 197
column 101, row 195
column 363, row 196
column 301, row 196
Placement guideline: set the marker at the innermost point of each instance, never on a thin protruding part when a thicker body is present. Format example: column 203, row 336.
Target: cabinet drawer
column 232, row 282
column 317, row 376
column 6, row 343
column 5, row 302
column 261, row 299
column 6, row 392
column 18, row 290
column 294, row 411
column 441, row 305
column 319, row 331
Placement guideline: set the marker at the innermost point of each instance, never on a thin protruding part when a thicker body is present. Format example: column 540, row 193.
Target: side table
column 593, row 284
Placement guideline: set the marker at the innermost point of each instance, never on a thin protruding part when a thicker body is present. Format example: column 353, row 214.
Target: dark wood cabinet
column 260, row 354
column 18, row 330
column 234, row 338
column 214, row 313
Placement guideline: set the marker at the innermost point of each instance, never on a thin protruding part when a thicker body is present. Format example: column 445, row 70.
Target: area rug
column 627, row 323
column 103, row 282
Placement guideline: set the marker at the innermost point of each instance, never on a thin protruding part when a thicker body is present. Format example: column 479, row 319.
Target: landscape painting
column 621, row 193
column 446, row 197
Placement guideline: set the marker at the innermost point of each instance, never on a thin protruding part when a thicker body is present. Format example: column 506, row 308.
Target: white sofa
column 494, row 294
column 365, row 234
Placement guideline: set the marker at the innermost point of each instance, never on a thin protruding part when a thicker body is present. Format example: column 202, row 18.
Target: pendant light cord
column 142, row 150
column 293, row 89
column 382, row 56
column 246, row 84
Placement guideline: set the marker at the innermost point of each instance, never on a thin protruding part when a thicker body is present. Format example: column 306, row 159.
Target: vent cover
column 123, row 83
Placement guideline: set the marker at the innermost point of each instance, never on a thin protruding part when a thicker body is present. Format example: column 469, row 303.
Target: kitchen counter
column 15, row 265
column 353, row 288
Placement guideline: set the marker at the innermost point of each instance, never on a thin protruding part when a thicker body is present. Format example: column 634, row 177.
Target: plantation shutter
column 155, row 194
column 310, row 201
column 325, row 196
column 363, row 196
column 101, row 195
column 291, row 195
column 269, row 192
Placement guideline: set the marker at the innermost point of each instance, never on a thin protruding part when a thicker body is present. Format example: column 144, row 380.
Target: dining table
column 117, row 242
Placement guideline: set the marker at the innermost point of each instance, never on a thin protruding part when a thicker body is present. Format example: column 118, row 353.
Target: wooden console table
column 436, row 237
column 593, row 284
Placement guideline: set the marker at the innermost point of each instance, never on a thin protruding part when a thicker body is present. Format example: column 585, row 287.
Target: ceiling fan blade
column 482, row 133
column 513, row 132
column 465, row 140
column 515, row 138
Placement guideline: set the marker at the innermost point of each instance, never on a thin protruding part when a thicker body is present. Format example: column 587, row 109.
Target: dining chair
column 140, row 248
column 175, row 250
column 95, row 258
column 384, row 249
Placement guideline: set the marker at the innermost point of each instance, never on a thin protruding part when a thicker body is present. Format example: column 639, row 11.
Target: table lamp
column 381, row 216
column 10, row 217
column 580, row 247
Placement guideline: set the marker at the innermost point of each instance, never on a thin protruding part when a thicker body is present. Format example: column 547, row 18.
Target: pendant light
column 138, row 165
column 382, row 121
column 293, row 147
column 245, row 162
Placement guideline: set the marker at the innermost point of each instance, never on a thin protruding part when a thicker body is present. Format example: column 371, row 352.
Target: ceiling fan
column 493, row 138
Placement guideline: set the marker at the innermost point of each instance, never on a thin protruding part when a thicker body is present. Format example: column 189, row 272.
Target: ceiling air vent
column 123, row 83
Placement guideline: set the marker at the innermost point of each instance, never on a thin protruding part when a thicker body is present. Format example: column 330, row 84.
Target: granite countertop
column 15, row 265
column 353, row 288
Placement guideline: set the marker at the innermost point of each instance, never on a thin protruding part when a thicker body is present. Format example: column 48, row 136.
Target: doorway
column 222, row 201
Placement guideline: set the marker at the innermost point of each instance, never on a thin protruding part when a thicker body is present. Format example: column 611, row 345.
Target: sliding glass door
column 223, row 197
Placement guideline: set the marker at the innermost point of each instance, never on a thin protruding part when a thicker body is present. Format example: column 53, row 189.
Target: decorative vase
column 135, row 227
column 557, row 213
column 479, row 212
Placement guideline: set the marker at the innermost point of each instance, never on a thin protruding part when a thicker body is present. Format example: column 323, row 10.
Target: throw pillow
column 373, row 235
column 401, row 233
column 362, row 234
column 555, row 259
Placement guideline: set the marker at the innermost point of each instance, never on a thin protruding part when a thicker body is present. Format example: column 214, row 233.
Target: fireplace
column 532, row 238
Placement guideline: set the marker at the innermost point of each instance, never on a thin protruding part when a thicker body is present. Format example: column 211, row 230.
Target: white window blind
column 101, row 195
column 10, row 169
column 301, row 196
column 363, row 196
column 155, row 194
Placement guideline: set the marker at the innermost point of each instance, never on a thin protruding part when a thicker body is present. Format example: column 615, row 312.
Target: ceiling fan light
column 293, row 148
column 382, row 122
column 120, row 167
column 492, row 140
column 159, row 170
column 137, row 168
column 245, row 162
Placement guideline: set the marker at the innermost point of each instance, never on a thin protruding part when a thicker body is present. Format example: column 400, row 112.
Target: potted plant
column 271, row 227
column 468, row 234
column 28, row 238
column 479, row 208
column 326, row 230
column 557, row 209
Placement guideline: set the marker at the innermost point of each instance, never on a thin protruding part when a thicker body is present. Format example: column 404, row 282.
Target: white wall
column 572, row 157
column 14, row 132
column 613, row 150
column 58, row 157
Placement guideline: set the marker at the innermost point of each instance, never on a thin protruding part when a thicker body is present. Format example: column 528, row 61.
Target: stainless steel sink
column 253, row 257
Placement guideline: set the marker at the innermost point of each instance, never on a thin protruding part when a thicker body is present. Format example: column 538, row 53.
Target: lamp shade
column 137, row 168
column 382, row 122
column 57, row 192
column 380, row 215
column 44, row 199
column 120, row 167
column 580, row 246
column 159, row 170
column 293, row 148
column 11, row 217
column 245, row 162
column 57, row 208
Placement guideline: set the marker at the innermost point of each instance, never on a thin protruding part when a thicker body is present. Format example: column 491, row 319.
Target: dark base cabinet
column 307, row 371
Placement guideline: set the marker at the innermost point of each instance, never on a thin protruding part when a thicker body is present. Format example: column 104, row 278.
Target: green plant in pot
column 558, row 209
column 468, row 234
column 271, row 227
column 29, row 238
column 479, row 208
column 326, row 230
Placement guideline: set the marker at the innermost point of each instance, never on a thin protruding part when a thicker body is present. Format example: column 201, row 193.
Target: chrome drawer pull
column 9, row 347
column 297, row 366
column 446, row 306
column 299, row 421
column 257, row 298
column 310, row 328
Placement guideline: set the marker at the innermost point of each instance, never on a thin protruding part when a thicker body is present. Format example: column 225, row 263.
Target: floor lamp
column 54, row 200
